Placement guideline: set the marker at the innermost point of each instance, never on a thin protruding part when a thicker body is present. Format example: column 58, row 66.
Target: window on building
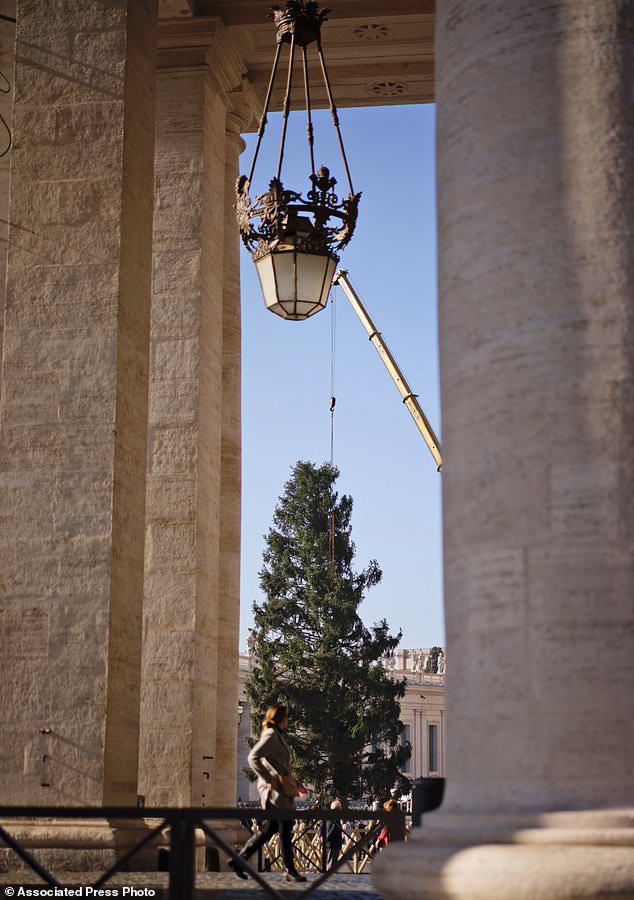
column 406, row 739
column 432, row 743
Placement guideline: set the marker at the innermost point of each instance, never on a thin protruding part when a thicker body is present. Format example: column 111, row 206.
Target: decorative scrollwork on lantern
column 279, row 213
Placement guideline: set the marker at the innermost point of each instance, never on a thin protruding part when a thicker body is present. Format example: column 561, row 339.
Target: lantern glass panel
column 311, row 272
column 284, row 263
column 330, row 274
column 266, row 274
column 305, row 309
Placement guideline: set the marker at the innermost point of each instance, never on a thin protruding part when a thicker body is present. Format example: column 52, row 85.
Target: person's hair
column 390, row 805
column 336, row 804
column 275, row 714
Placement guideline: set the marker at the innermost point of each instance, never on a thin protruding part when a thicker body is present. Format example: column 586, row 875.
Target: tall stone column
column 73, row 413
column 225, row 768
column 182, row 520
column 190, row 587
column 536, row 243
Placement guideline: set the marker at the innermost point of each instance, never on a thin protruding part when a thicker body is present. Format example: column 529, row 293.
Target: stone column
column 193, row 524
column 183, row 511
column 536, row 243
column 74, row 401
column 225, row 768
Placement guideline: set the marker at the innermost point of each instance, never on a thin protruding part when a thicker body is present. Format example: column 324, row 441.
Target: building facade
column 422, row 713
column 422, row 710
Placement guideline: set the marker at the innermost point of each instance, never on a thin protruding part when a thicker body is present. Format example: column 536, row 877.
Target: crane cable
column 333, row 402
column 333, row 399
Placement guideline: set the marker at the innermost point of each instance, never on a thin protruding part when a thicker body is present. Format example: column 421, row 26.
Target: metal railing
column 183, row 823
column 311, row 848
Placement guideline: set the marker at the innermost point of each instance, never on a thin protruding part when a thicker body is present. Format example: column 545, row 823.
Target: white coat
column 268, row 758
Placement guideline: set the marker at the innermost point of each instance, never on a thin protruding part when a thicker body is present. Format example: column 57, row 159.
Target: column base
column 554, row 856
column 80, row 845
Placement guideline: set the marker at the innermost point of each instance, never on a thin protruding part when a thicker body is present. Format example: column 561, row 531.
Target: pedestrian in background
column 332, row 834
column 383, row 839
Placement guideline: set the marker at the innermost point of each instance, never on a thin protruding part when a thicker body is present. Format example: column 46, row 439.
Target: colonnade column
column 225, row 769
column 193, row 517
column 73, row 413
column 536, row 238
column 181, row 568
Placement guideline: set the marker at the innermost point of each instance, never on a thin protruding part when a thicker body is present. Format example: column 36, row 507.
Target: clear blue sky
column 384, row 462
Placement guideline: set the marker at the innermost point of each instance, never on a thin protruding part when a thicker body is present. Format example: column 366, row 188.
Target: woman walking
column 269, row 759
column 384, row 837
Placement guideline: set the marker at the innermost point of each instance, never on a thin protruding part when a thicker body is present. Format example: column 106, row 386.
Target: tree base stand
column 554, row 856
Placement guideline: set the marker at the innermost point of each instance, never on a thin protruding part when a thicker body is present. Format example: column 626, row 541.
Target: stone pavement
column 214, row 886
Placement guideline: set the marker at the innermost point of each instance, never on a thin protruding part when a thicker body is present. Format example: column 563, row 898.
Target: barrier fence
column 181, row 825
column 311, row 849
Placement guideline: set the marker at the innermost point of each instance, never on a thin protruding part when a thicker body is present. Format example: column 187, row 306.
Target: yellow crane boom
column 409, row 398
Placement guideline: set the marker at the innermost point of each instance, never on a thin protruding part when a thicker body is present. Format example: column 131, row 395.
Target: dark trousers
column 260, row 838
column 334, row 852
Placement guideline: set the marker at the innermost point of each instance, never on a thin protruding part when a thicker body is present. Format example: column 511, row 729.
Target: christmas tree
column 313, row 652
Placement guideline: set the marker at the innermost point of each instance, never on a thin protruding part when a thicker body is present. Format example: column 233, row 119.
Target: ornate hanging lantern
column 294, row 237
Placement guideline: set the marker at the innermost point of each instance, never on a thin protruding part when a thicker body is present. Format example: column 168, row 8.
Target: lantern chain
column 264, row 119
column 309, row 115
column 287, row 106
column 333, row 112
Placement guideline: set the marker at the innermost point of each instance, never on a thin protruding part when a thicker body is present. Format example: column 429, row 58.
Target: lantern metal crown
column 294, row 238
